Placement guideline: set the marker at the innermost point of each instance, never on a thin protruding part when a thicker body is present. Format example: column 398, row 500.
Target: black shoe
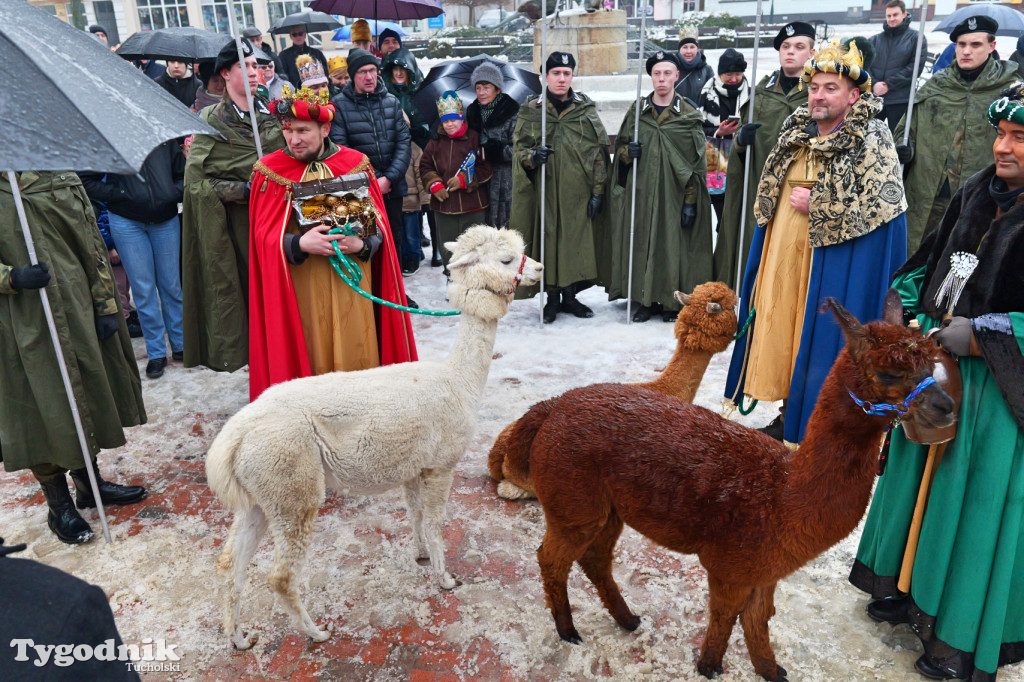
column 929, row 668
column 178, row 355
column 551, row 307
column 410, row 303
column 895, row 610
column 409, row 266
column 424, row 240
column 644, row 313
column 669, row 315
column 776, row 428
column 134, row 328
column 110, row 493
column 155, row 368
column 435, row 261
column 63, row 519
column 573, row 307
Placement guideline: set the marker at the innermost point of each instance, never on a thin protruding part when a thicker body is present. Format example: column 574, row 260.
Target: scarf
column 1004, row 197
column 858, row 187
column 487, row 109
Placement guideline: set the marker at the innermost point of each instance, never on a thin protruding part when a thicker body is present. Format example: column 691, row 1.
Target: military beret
column 975, row 24
column 793, row 29
column 662, row 56
column 228, row 55
column 558, row 60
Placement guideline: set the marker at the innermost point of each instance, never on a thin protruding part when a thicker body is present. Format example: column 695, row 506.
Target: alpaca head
column 888, row 360
column 707, row 321
column 487, row 265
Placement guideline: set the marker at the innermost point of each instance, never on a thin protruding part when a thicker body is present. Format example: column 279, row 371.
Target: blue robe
column 857, row 273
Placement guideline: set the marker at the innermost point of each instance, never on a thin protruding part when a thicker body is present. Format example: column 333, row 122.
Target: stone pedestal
column 597, row 40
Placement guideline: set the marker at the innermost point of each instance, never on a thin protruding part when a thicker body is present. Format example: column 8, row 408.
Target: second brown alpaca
column 705, row 326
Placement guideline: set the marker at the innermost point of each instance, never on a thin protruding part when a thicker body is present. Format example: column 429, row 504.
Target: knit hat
column 449, row 106
column 311, row 71
column 361, row 30
column 251, row 32
column 793, row 29
column 1009, row 106
column 662, row 56
column 388, row 33
column 335, row 63
column 488, row 73
column 558, row 60
column 359, row 58
column 975, row 24
column 687, row 36
column 731, row 61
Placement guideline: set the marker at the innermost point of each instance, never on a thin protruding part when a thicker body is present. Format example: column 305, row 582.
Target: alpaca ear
column 682, row 298
column 853, row 330
column 892, row 309
column 469, row 258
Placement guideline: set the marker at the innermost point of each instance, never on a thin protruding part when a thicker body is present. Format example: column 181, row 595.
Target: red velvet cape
column 277, row 346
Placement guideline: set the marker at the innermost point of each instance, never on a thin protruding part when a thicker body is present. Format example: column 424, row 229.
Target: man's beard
column 310, row 154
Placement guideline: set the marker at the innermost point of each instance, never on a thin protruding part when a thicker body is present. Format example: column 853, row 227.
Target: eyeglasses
column 300, row 33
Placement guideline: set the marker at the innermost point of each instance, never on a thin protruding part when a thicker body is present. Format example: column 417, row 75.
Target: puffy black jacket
column 894, row 60
column 154, row 200
column 372, row 123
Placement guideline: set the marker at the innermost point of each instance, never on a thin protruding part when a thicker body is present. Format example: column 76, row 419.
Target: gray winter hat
column 488, row 73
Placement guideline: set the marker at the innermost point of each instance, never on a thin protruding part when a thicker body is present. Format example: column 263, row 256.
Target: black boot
column 776, row 427
column 572, row 306
column 63, row 519
column 644, row 312
column 110, row 493
column 552, row 306
column 435, row 243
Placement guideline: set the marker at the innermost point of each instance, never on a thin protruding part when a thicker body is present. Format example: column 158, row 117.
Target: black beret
column 662, row 56
column 975, row 24
column 558, row 60
column 228, row 55
column 793, row 29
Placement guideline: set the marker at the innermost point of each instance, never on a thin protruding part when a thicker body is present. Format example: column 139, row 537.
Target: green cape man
column 950, row 140
column 215, row 235
column 576, row 173
column 672, row 174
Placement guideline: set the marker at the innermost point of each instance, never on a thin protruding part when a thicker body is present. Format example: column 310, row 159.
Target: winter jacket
column 894, row 60
column 153, row 201
column 418, row 126
column 372, row 123
column 718, row 103
column 183, row 89
column 440, row 162
column 416, row 196
column 290, row 54
column 693, row 76
column 497, row 137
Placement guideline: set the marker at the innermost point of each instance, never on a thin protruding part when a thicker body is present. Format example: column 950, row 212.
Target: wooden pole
column 934, row 457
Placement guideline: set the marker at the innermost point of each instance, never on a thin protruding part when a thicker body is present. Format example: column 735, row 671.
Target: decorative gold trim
column 260, row 167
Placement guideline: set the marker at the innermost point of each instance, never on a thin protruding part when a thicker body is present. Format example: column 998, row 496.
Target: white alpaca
column 363, row 433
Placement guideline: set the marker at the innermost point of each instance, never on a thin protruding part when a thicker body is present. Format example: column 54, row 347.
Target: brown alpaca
column 705, row 326
column 751, row 510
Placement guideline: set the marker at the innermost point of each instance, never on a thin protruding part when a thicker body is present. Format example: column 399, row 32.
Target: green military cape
column 666, row 257
column 578, row 138
column 955, row 132
column 771, row 108
column 214, row 284
column 36, row 426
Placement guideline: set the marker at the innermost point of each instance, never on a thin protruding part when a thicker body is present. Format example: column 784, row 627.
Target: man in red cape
column 303, row 318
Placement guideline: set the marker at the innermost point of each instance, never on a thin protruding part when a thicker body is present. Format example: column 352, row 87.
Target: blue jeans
column 412, row 228
column 151, row 254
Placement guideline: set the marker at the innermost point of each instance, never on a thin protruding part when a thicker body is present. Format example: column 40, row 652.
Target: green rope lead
column 746, row 325
column 745, row 412
column 351, row 274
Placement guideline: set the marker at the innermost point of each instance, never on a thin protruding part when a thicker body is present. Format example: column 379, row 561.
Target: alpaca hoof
column 709, row 671
column 320, row 635
column 510, row 491
column 571, row 636
column 780, row 675
column 449, row 583
column 242, row 641
column 631, row 623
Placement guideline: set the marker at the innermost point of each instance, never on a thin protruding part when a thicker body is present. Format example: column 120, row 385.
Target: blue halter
column 887, row 409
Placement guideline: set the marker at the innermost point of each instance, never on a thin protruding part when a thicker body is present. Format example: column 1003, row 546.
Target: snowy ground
column 361, row 573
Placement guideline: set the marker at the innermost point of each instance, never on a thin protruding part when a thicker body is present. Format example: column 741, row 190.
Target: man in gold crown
column 830, row 222
column 304, row 319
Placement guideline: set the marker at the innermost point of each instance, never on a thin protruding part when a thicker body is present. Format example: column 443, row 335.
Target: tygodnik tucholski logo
column 148, row 656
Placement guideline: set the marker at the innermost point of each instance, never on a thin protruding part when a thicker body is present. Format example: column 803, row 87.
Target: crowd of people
column 837, row 205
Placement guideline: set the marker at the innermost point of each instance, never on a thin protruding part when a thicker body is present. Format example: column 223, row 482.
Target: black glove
column 31, row 276
column 595, row 205
column 748, row 132
column 248, row 190
column 688, row 216
column 633, row 150
column 106, row 325
column 905, row 153
column 955, row 336
column 540, row 155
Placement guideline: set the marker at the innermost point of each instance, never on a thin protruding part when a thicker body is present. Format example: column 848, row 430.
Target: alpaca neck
column 829, row 477
column 470, row 359
column 682, row 377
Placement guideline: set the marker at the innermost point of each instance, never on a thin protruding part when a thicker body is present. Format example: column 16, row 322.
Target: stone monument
column 597, row 39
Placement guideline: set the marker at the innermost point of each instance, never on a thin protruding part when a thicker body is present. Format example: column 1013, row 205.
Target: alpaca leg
column 292, row 534
column 596, row 562
column 724, row 603
column 754, row 619
column 435, row 488
column 243, row 539
column 414, row 501
column 560, row 548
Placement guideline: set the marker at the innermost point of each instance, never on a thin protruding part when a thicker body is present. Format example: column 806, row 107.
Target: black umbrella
column 381, row 9
column 183, row 44
column 82, row 108
column 311, row 20
column 1011, row 21
column 520, row 83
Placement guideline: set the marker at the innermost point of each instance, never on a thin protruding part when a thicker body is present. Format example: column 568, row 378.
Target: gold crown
column 311, row 96
column 310, row 70
column 836, row 58
column 449, row 105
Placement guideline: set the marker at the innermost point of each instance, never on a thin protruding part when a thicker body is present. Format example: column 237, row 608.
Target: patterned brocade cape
column 864, row 188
